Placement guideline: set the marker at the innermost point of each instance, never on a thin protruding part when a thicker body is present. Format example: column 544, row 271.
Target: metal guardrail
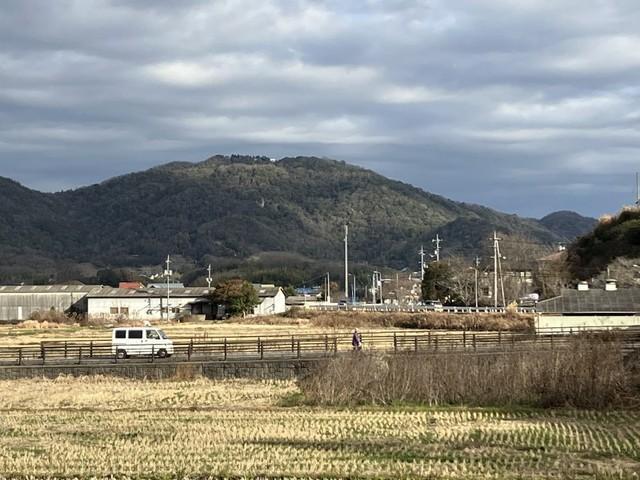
column 309, row 345
column 409, row 308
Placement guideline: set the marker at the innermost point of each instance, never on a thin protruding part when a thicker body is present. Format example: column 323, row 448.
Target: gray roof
column 301, row 299
column 164, row 285
column 186, row 292
column 49, row 288
column 265, row 291
column 593, row 301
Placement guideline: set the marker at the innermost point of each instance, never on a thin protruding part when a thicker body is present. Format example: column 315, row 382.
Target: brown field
column 96, row 427
column 295, row 323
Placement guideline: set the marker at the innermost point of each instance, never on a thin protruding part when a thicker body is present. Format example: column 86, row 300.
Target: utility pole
column 327, row 296
column 437, row 241
column 346, row 262
column 477, row 263
column 421, row 262
column 374, row 285
column 495, row 269
column 209, row 279
column 168, row 274
column 354, row 288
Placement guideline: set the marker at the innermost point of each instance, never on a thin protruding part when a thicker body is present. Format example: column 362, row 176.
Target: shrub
column 589, row 373
column 56, row 316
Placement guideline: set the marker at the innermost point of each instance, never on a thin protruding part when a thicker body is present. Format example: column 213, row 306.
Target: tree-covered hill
column 614, row 237
column 238, row 206
column 569, row 225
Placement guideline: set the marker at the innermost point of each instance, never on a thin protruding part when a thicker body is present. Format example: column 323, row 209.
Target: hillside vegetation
column 230, row 209
column 568, row 224
column 613, row 238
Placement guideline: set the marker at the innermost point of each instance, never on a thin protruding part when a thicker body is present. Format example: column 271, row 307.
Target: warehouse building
column 99, row 302
column 589, row 308
column 20, row 302
column 148, row 303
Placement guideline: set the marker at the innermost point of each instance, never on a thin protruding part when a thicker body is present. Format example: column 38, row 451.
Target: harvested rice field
column 96, row 427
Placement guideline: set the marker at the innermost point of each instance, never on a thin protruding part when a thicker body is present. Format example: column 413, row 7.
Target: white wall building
column 272, row 300
column 147, row 304
column 586, row 308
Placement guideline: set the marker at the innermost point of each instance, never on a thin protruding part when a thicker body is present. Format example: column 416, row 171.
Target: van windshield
column 162, row 334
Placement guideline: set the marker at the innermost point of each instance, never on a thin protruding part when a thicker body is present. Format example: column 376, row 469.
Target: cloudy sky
column 527, row 106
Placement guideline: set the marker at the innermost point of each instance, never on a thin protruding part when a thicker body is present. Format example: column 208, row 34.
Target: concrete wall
column 265, row 369
column 20, row 306
column 567, row 322
column 139, row 308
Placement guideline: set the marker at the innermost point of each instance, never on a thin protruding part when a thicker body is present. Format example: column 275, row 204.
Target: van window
column 152, row 334
column 162, row 334
column 135, row 333
column 121, row 334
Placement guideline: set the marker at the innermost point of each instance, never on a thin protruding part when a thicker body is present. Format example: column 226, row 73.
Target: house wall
column 140, row 308
column 271, row 305
column 596, row 322
column 20, row 306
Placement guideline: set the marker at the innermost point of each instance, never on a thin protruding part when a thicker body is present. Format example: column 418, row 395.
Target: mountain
column 231, row 209
column 569, row 225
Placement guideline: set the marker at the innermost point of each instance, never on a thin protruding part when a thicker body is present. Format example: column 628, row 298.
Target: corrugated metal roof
column 49, row 288
column 593, row 301
column 109, row 292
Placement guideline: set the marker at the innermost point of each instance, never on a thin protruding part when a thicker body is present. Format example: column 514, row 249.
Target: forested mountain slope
column 234, row 207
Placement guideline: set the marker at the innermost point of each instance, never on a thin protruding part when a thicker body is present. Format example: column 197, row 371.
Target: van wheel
column 121, row 354
column 162, row 353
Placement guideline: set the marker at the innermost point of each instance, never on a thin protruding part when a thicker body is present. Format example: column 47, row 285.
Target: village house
column 272, row 300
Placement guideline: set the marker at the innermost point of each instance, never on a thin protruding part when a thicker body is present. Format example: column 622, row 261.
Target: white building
column 148, row 304
column 586, row 308
column 272, row 300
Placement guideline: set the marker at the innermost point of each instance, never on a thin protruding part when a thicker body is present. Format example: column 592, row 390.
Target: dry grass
column 509, row 321
column 97, row 427
column 319, row 322
column 590, row 372
column 29, row 331
column 106, row 393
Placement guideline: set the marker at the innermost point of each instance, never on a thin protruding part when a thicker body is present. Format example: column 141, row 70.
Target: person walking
column 356, row 340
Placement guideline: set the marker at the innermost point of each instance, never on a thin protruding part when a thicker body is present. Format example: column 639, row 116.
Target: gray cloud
column 526, row 106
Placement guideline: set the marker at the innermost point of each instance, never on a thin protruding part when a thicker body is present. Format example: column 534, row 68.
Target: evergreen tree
column 238, row 296
column 437, row 283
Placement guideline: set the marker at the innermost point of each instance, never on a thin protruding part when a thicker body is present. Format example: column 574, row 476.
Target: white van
column 140, row 341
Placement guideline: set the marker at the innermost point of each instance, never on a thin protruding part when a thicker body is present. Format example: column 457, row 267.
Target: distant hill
column 569, row 225
column 615, row 237
column 237, row 207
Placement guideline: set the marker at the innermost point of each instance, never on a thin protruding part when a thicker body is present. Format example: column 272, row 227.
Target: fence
column 371, row 307
column 304, row 346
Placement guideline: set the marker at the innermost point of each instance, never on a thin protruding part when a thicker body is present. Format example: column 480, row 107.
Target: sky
column 525, row 106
